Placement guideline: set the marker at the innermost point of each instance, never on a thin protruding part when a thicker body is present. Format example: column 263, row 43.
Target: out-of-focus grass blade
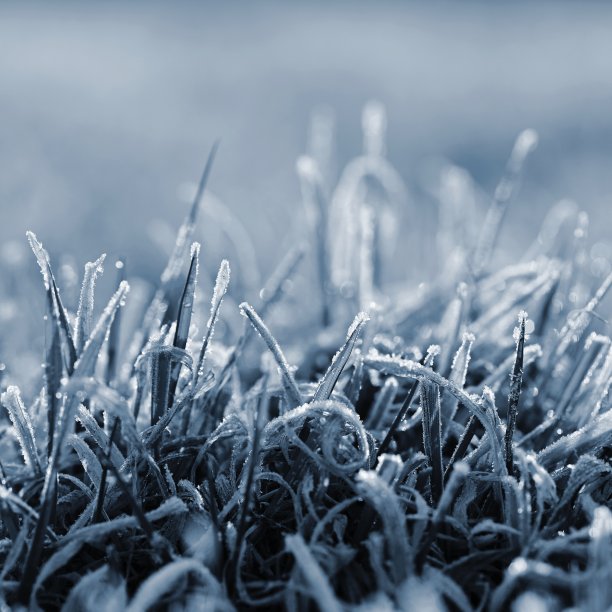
column 172, row 273
column 316, row 204
column 525, row 143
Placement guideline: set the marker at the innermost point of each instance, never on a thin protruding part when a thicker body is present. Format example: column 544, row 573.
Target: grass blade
column 294, row 397
column 183, row 321
column 11, row 400
column 330, row 378
column 84, row 317
column 516, row 380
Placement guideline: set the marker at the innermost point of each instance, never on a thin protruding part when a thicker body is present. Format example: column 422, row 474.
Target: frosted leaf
column 293, row 394
column 83, row 323
column 221, row 285
column 11, row 400
column 340, row 359
column 88, row 459
column 42, row 257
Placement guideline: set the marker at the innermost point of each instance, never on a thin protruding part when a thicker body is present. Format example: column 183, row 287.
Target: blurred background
column 109, row 110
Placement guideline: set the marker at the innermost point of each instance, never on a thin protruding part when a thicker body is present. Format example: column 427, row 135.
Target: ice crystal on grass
column 435, row 456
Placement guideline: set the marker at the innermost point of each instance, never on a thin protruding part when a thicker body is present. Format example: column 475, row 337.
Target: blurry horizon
column 109, row 111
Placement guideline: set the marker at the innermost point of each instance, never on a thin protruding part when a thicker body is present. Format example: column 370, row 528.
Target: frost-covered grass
column 396, row 447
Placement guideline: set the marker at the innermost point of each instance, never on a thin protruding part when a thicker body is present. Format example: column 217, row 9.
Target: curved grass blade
column 294, row 397
column 399, row 417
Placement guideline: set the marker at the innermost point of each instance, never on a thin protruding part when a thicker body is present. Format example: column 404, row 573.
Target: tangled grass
column 437, row 455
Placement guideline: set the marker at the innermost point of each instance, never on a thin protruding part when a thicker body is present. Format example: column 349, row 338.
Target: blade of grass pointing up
column 53, row 381
column 516, row 380
column 313, row 195
column 294, row 397
column 84, row 317
column 113, row 335
column 173, row 270
column 221, row 285
column 11, row 400
column 399, row 417
column 183, row 321
column 432, row 433
column 57, row 308
column 84, row 367
column 330, row 378
column 505, row 191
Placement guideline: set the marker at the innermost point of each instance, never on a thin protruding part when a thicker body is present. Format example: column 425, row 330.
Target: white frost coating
column 307, row 169
column 461, row 360
column 595, row 434
column 42, row 257
column 86, row 364
column 522, row 319
column 412, row 369
column 221, row 285
column 11, row 399
column 340, row 359
column 433, row 350
column 357, row 324
column 83, row 323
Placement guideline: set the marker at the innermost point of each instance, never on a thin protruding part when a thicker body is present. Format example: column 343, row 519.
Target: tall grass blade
column 11, row 400
column 329, row 380
column 294, row 397
column 505, row 191
column 181, row 335
column 221, row 285
column 516, row 380
column 84, row 317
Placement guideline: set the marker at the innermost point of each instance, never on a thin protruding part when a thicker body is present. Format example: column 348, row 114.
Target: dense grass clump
column 400, row 448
